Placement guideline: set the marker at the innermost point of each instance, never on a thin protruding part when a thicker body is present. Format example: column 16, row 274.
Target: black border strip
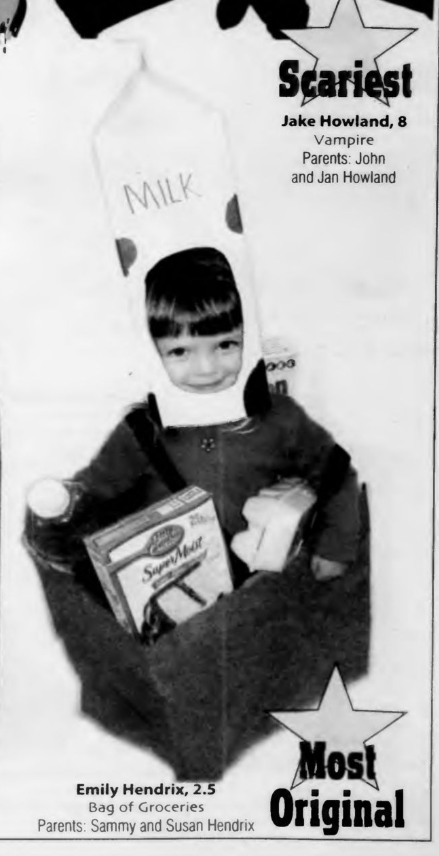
column 434, row 438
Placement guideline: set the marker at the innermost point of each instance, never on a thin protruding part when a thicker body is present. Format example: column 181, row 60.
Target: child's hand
column 327, row 569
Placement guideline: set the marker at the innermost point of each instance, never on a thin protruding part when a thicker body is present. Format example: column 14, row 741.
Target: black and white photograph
column 218, row 251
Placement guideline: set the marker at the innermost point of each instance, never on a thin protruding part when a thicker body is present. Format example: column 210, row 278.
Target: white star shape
column 346, row 39
column 342, row 727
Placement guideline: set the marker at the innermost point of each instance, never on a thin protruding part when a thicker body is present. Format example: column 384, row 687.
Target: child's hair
column 194, row 292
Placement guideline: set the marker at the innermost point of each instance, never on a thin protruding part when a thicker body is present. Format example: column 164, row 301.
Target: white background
column 344, row 274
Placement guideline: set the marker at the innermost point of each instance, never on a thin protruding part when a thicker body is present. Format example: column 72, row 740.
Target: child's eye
column 177, row 352
column 229, row 344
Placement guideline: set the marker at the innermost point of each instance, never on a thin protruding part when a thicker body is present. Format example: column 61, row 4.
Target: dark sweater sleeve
column 337, row 534
column 118, row 481
column 310, row 447
column 118, row 467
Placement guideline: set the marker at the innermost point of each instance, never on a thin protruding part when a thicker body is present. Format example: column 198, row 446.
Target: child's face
column 203, row 364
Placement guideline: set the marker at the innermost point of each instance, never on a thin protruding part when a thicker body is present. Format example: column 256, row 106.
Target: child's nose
column 206, row 364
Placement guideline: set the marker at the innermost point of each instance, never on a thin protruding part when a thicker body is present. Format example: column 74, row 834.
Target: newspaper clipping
column 218, row 229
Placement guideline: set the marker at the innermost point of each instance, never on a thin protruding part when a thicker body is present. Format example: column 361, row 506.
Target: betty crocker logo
column 164, row 540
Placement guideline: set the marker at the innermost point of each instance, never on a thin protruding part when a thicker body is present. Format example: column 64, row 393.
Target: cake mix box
column 169, row 559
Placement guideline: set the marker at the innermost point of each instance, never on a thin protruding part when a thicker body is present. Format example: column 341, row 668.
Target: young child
column 195, row 319
column 200, row 694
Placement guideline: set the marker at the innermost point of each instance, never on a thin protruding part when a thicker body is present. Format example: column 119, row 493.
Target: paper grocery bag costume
column 199, row 696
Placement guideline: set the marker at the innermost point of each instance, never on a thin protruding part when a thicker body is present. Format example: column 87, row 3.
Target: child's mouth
column 208, row 387
column 213, row 386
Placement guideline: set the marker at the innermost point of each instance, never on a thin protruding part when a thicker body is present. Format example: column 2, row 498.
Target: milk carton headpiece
column 164, row 165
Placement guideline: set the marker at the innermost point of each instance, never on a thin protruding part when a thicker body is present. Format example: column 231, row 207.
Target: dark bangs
column 192, row 292
column 201, row 318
